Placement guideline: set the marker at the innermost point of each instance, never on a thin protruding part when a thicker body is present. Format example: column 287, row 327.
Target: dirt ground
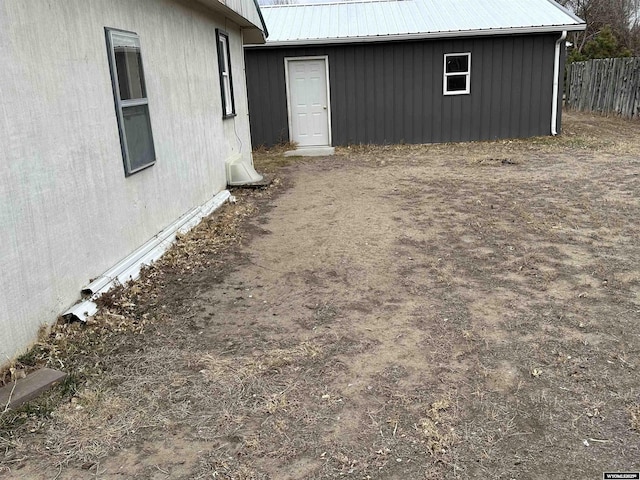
column 400, row 312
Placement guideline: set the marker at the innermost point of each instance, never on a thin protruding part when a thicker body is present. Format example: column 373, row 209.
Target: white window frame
column 121, row 105
column 226, row 77
column 466, row 74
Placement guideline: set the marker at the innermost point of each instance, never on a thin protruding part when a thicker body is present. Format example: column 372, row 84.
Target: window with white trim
column 226, row 81
column 457, row 73
column 130, row 95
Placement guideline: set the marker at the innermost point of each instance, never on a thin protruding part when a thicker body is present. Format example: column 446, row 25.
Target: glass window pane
column 226, row 82
column 129, row 67
column 137, row 129
column 457, row 64
column 228, row 105
column 456, row 83
column 225, row 56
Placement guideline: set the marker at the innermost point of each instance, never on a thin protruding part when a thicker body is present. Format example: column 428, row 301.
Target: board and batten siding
column 67, row 210
column 391, row 92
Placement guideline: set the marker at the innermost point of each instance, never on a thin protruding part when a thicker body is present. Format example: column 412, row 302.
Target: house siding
column 67, row 210
column 392, row 92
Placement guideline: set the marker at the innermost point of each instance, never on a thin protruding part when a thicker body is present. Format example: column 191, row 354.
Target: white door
column 308, row 101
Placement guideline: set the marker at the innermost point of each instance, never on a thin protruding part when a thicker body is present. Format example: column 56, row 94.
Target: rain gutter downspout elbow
column 556, row 84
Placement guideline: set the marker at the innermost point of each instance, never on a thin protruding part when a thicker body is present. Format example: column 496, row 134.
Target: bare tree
column 622, row 17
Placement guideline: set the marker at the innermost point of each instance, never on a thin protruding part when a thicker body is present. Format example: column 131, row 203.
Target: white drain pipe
column 556, row 85
column 130, row 267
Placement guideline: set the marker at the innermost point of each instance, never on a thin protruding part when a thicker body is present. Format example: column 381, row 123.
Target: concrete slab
column 265, row 182
column 22, row 390
column 310, row 152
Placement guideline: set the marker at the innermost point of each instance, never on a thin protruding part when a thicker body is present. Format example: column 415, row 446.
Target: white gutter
column 556, row 85
column 129, row 268
column 421, row 36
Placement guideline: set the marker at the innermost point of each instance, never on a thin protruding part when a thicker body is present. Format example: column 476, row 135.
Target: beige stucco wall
column 67, row 211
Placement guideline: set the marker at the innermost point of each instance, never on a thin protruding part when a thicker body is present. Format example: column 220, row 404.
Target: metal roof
column 363, row 21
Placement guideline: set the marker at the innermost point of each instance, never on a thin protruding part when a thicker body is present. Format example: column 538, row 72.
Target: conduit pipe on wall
column 556, row 84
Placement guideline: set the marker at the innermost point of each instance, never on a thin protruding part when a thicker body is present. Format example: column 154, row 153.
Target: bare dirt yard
column 402, row 312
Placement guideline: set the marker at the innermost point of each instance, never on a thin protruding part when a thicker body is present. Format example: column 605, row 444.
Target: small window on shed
column 457, row 73
column 130, row 95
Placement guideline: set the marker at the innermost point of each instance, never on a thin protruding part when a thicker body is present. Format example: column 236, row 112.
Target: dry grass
column 126, row 309
column 87, row 419
column 634, row 413
column 479, row 323
column 438, row 440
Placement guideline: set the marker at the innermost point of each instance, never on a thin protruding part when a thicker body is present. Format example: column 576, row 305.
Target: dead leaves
column 437, row 436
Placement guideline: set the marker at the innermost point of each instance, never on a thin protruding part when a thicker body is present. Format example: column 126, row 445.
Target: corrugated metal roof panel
column 396, row 19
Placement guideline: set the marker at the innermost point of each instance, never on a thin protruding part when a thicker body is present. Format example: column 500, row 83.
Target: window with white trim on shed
column 457, row 73
column 130, row 96
column 226, row 81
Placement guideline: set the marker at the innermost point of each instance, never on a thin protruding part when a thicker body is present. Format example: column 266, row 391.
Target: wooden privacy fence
column 609, row 85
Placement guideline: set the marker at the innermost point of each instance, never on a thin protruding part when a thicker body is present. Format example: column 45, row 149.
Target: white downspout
column 556, row 85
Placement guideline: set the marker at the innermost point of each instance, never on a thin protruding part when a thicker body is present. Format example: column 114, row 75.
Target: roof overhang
column 426, row 35
column 245, row 13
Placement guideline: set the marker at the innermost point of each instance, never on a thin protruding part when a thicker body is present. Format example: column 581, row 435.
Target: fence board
column 609, row 85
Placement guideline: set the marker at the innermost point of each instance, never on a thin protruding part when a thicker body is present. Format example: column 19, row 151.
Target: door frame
column 286, row 80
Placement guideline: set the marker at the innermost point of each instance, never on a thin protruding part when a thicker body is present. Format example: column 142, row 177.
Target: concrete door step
column 310, row 152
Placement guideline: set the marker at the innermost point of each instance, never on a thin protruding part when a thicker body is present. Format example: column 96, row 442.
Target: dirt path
column 449, row 311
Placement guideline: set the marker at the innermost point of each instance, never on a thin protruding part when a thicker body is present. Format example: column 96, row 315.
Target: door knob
column 325, row 107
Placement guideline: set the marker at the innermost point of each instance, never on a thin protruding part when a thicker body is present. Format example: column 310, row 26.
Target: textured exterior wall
column 392, row 92
column 67, row 211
